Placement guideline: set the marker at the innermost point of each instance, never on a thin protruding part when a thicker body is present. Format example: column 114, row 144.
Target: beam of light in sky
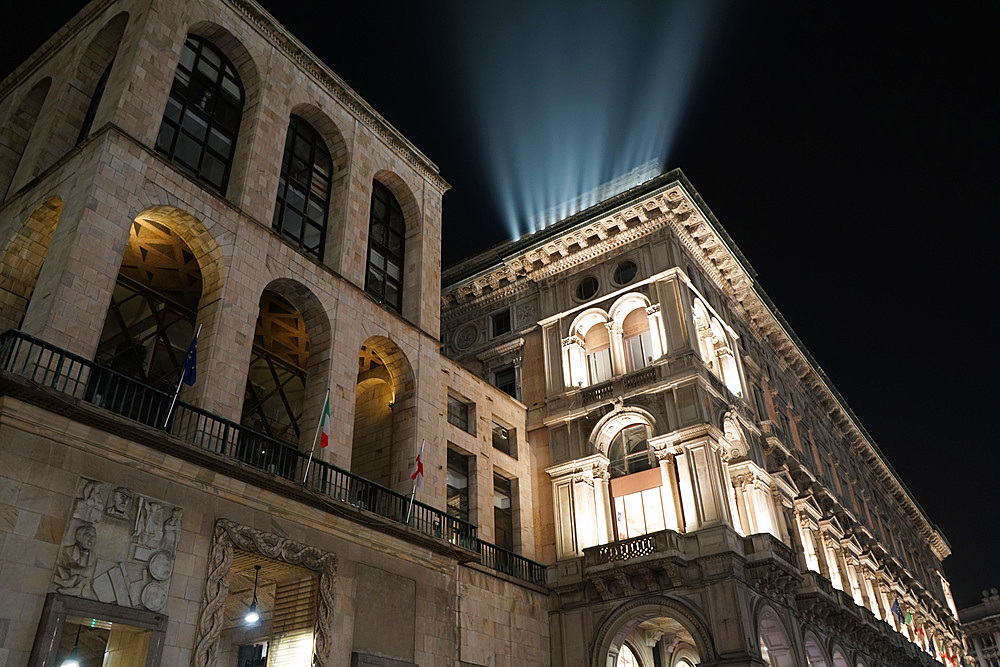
column 568, row 96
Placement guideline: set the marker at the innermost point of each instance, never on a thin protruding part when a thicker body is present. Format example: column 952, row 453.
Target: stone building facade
column 981, row 623
column 627, row 454
column 713, row 499
column 178, row 167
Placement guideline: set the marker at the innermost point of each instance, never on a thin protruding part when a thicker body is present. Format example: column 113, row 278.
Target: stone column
column 617, row 348
column 656, row 331
column 673, row 516
column 574, row 363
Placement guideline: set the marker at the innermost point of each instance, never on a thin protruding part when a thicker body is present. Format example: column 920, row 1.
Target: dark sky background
column 848, row 148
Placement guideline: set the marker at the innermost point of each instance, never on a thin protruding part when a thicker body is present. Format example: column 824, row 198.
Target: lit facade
column 713, row 499
column 982, row 627
column 629, row 458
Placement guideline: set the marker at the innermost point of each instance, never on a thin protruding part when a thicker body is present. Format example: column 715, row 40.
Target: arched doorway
column 384, row 413
column 656, row 631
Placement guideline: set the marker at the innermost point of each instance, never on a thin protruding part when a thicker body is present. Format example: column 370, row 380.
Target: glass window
column 638, row 350
column 505, row 379
column 458, row 485
column 625, row 272
column 203, row 114
column 597, row 344
column 304, row 188
column 504, row 440
column 386, row 234
column 586, row 288
column 458, row 413
column 629, row 451
column 503, row 512
column 500, row 322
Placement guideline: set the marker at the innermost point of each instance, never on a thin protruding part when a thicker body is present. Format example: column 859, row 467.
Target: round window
column 625, row 272
column 586, row 288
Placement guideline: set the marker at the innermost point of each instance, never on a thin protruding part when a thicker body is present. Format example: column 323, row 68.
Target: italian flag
column 324, row 438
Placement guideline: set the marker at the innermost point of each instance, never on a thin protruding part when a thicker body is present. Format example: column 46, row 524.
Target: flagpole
column 170, row 412
column 319, row 425
column 413, row 493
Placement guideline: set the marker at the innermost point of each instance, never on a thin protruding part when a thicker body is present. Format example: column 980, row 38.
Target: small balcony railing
column 508, row 562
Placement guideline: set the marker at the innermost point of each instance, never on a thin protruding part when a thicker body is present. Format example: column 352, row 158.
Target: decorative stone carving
column 527, row 313
column 119, row 547
column 230, row 536
column 466, row 336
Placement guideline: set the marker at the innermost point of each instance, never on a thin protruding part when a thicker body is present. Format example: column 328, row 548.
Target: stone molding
column 230, row 536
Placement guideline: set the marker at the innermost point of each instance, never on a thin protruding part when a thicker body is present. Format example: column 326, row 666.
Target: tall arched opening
column 775, row 647
column 384, row 413
column 651, row 631
column 22, row 261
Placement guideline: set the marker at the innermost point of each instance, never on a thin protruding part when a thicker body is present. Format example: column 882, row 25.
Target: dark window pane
column 301, row 191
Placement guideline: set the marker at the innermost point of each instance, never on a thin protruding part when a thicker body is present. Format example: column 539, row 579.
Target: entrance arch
column 667, row 624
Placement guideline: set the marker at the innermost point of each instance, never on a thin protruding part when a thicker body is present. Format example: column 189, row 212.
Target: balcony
column 236, row 450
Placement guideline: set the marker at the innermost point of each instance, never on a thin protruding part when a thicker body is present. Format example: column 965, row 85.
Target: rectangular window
column 458, row 485
column 505, row 379
column 504, row 440
column 500, row 323
column 459, row 413
column 503, row 512
column 758, row 397
column 638, row 350
column 599, row 366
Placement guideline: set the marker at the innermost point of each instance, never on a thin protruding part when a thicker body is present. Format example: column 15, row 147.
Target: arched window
column 597, row 347
column 386, row 236
column 629, row 451
column 637, row 340
column 626, row 658
column 304, row 188
column 95, row 101
column 203, row 114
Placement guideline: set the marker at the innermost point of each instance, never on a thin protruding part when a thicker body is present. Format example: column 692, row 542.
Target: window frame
column 506, row 318
column 216, row 96
column 382, row 248
column 514, row 388
column 469, row 425
column 510, row 435
column 300, row 129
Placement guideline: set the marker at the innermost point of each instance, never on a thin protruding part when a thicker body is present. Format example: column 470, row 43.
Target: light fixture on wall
column 72, row 660
column 252, row 615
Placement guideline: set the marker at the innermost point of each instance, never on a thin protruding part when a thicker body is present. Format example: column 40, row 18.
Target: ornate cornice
column 308, row 62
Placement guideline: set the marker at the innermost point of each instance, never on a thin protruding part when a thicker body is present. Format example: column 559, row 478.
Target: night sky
column 849, row 149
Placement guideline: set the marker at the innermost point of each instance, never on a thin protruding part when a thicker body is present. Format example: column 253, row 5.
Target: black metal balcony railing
column 48, row 365
column 508, row 562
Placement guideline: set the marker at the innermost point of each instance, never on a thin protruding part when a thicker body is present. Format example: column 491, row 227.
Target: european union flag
column 190, row 371
column 895, row 609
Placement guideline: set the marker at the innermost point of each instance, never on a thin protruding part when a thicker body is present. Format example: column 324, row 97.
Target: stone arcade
column 630, row 457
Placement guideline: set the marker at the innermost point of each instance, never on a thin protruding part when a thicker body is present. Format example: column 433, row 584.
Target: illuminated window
column 629, row 451
column 203, row 114
column 637, row 340
column 586, row 288
column 304, row 188
column 386, row 235
column 597, row 344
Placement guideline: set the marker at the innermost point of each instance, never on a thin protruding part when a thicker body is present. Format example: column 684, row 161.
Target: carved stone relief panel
column 118, row 548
